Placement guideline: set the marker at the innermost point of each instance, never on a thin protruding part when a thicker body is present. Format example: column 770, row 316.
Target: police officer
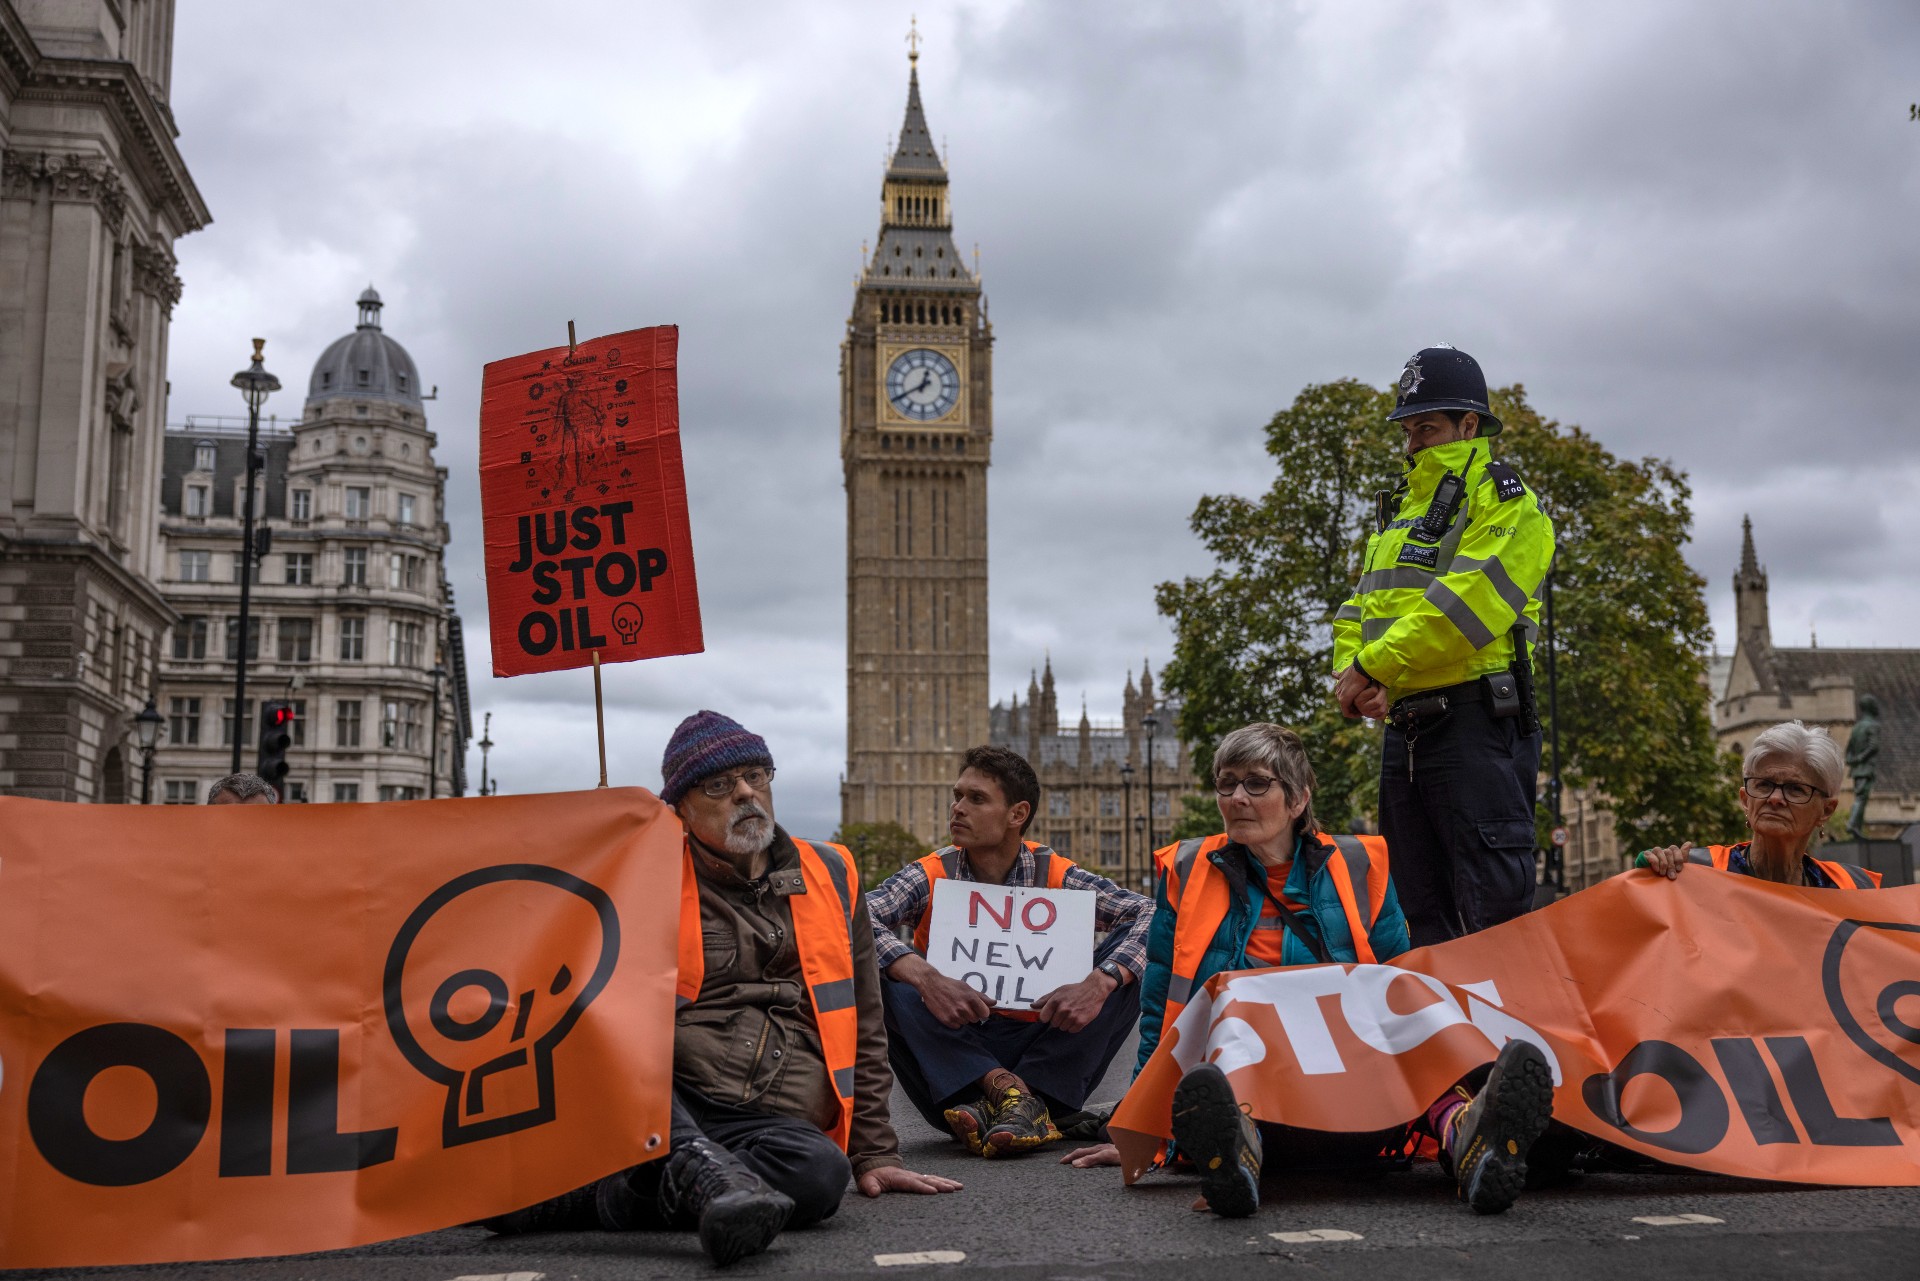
column 1437, row 640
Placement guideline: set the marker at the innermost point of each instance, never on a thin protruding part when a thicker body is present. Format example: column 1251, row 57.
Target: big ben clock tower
column 916, row 431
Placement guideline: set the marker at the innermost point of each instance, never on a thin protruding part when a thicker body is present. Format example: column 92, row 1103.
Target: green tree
column 1253, row 639
column 879, row 849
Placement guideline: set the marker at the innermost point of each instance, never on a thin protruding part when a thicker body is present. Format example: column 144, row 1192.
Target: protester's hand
column 1669, row 860
column 1373, row 703
column 952, row 1002
column 1088, row 1158
column 1072, row 1007
column 893, row 1178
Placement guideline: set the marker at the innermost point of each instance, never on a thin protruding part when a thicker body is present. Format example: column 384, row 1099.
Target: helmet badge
column 1411, row 377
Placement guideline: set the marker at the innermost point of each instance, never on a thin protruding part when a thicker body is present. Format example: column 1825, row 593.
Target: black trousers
column 939, row 1066
column 1458, row 819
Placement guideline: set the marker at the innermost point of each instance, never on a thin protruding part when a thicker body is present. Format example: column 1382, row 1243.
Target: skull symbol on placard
column 627, row 621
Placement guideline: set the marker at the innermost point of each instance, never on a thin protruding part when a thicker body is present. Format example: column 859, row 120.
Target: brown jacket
column 749, row 1038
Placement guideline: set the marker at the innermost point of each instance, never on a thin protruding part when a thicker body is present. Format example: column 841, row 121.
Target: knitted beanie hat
column 707, row 743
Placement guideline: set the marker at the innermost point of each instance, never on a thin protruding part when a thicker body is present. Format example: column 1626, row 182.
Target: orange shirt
column 1269, row 933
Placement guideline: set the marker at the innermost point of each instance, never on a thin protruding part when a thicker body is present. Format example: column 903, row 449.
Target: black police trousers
column 1458, row 820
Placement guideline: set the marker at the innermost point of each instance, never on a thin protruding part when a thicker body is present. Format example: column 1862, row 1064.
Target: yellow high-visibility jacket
column 1431, row 614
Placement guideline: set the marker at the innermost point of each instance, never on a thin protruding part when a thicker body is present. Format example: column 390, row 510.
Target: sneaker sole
column 1520, row 1106
column 966, row 1125
column 741, row 1224
column 1006, row 1143
column 1206, row 1128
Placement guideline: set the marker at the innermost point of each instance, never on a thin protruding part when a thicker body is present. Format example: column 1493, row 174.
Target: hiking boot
column 706, row 1186
column 1020, row 1124
column 1491, row 1136
column 1221, row 1140
column 575, row 1211
column 968, row 1123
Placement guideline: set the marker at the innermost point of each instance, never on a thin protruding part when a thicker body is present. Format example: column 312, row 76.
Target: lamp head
column 146, row 726
column 254, row 382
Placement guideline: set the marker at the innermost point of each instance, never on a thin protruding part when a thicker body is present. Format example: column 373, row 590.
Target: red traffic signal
column 276, row 736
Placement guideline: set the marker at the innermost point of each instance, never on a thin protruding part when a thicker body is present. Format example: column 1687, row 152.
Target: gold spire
column 913, row 38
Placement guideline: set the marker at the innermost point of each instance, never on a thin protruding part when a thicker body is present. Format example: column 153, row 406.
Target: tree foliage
column 1253, row 639
column 879, row 849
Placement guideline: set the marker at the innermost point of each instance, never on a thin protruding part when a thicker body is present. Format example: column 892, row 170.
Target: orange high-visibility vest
column 823, row 933
column 1845, row 876
column 1049, row 869
column 1199, row 892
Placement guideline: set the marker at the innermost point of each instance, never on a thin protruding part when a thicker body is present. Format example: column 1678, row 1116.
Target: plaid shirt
column 898, row 902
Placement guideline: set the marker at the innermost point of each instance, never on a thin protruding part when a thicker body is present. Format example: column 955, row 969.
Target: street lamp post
column 1151, row 723
column 1126, row 812
column 486, row 745
column 439, row 674
column 255, row 385
column 1139, row 832
column 146, row 733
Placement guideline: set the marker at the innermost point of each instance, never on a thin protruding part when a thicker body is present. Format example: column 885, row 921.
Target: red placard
column 584, row 501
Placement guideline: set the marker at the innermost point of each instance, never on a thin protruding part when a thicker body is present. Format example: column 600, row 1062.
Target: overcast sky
column 1689, row 228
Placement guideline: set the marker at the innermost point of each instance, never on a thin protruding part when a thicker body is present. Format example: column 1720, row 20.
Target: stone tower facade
column 916, row 436
column 352, row 618
column 93, row 194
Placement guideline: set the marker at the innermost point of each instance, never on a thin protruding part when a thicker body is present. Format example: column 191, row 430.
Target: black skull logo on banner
column 486, row 976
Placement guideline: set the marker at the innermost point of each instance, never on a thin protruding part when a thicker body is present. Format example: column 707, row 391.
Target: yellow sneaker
column 1020, row 1124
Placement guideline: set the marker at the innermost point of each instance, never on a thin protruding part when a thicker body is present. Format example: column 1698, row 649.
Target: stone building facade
column 93, row 195
column 1768, row 683
column 352, row 615
column 1098, row 805
column 916, row 434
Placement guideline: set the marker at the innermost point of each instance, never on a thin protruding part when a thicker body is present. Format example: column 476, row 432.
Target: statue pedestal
column 1892, row 859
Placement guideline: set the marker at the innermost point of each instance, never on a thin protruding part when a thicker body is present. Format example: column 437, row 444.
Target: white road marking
column 919, row 1256
column 503, row 1276
column 1674, row 1220
column 1315, row 1234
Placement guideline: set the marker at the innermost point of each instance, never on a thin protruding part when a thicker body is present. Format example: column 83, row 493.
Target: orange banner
column 247, row 1029
column 1715, row 1021
column 584, row 502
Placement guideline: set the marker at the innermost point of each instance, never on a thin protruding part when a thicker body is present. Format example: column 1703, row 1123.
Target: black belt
column 1429, row 704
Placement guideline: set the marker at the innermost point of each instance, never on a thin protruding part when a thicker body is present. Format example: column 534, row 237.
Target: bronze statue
column 1863, row 756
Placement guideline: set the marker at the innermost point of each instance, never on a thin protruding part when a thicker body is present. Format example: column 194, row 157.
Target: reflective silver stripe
column 950, row 861
column 1700, row 856
column 1359, row 863
column 1381, row 580
column 837, row 995
column 1374, row 628
column 1043, row 868
column 843, row 1082
column 681, row 1002
column 837, row 870
column 1457, row 612
column 1179, row 988
column 1496, row 573
column 1348, row 613
column 1183, row 861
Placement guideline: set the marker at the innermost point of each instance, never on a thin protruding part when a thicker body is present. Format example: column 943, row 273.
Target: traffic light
column 276, row 736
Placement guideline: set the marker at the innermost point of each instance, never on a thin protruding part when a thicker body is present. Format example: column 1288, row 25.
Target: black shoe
column 706, row 1186
column 1222, row 1141
column 1089, row 1125
column 575, row 1211
column 1491, row 1139
column 1018, row 1122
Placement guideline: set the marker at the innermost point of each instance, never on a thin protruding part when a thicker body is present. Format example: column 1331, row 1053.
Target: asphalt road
column 1034, row 1220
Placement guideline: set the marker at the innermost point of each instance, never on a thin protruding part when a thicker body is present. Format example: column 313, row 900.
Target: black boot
column 573, row 1211
column 1210, row 1130
column 1492, row 1136
column 706, row 1186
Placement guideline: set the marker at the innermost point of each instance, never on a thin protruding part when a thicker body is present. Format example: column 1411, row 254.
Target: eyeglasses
column 1256, row 784
column 1796, row 793
column 754, row 776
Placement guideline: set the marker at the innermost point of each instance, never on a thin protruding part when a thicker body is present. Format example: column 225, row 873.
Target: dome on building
column 366, row 363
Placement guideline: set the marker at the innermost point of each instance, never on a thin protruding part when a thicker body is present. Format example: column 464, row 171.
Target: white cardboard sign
column 1012, row 943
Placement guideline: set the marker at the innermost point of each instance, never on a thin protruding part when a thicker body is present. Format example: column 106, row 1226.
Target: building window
column 1109, row 805
column 400, row 726
column 404, row 572
column 233, row 639
column 392, row 792
column 353, row 640
column 401, row 381
column 359, row 502
column 296, row 792
column 299, row 569
column 182, row 791
column 1159, row 804
column 302, row 503
column 296, row 640
column 1059, row 803
column 1109, row 847
column 226, row 723
column 346, row 723
column 203, row 455
column 190, row 638
column 354, row 564
column 1063, row 843
column 196, row 567
column 404, row 643
column 197, row 501
column 406, row 509
column 238, row 559
column 183, row 722
column 363, row 377
column 298, row 729
column 346, row 793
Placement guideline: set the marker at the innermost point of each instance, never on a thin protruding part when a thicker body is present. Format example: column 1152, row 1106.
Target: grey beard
column 749, row 831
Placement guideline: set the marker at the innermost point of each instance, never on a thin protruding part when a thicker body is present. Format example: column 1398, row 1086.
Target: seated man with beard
column 780, row 1077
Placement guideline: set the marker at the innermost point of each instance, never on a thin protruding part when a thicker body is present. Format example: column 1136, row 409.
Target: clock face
column 923, row 385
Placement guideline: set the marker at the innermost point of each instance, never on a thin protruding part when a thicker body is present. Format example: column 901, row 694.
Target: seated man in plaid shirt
column 998, row 1083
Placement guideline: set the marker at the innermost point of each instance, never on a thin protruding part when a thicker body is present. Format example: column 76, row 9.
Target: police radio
column 1431, row 527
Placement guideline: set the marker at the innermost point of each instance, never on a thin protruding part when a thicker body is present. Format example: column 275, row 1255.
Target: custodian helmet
column 1444, row 378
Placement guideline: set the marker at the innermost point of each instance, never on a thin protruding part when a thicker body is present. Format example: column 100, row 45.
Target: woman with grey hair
column 1274, row 890
column 1790, row 786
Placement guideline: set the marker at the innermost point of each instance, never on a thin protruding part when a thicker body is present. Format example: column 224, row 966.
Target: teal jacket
column 1307, row 882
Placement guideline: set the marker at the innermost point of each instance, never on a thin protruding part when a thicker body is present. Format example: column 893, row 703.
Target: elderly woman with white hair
column 1790, row 786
